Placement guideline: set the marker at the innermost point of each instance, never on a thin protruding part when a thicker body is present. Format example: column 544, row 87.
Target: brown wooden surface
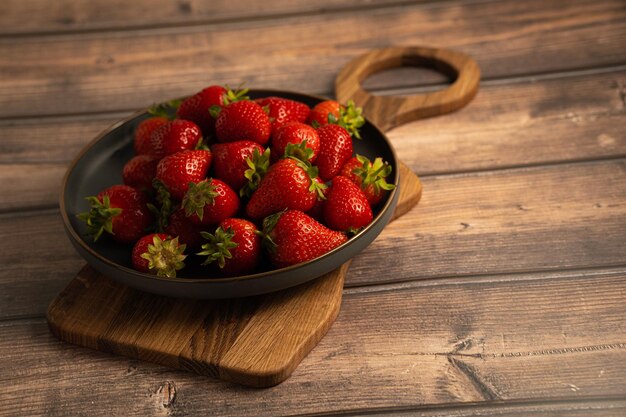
column 255, row 341
column 517, row 245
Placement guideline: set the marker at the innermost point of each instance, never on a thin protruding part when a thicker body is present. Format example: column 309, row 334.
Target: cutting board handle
column 388, row 112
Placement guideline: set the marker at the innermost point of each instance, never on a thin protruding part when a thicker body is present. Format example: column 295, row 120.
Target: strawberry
column 282, row 110
column 176, row 171
column 140, row 171
column 321, row 112
column 174, row 136
column 158, row 254
column 369, row 176
column 119, row 210
column 346, row 207
column 349, row 117
column 188, row 233
column 144, row 131
column 230, row 161
column 196, row 108
column 235, row 246
column 210, row 201
column 296, row 139
column 289, row 184
column 335, row 150
column 293, row 237
column 243, row 120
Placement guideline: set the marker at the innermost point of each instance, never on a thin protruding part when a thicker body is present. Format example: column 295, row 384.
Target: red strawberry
column 210, row 201
column 174, row 136
column 144, row 131
column 289, row 184
column 335, row 150
column 235, row 246
column 346, row 207
column 282, row 110
column 349, row 117
column 230, row 161
column 119, row 210
column 158, row 254
column 296, row 139
column 243, row 120
column 188, row 233
column 140, row 171
column 176, row 171
column 370, row 177
column 293, row 237
column 321, row 111
column 196, row 108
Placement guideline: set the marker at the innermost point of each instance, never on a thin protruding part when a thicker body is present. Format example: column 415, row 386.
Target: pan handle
column 388, row 112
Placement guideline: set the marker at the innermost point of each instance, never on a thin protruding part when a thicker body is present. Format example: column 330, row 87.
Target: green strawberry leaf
column 165, row 257
column 219, row 246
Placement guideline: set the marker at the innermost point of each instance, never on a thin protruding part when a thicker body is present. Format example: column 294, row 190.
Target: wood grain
column 529, row 122
column 34, row 16
column 479, row 223
column 96, row 71
column 398, row 347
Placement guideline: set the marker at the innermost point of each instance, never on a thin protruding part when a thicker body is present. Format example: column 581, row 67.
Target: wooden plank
column 30, row 185
column 480, row 223
column 97, row 72
column 406, row 347
column 527, row 123
column 35, row 16
column 509, row 125
column 573, row 408
column 534, row 219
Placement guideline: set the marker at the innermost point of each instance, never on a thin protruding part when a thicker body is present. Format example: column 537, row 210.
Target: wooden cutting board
column 255, row 341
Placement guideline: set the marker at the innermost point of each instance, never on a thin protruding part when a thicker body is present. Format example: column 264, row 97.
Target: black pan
column 100, row 164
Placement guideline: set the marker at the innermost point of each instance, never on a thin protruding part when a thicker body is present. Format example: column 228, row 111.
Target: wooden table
column 503, row 292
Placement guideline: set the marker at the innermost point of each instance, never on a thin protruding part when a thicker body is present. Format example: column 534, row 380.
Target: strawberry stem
column 238, row 94
column 165, row 257
column 258, row 165
column 198, row 196
column 218, row 247
column 350, row 118
column 299, row 151
column 167, row 109
column 99, row 218
column 166, row 208
column 373, row 173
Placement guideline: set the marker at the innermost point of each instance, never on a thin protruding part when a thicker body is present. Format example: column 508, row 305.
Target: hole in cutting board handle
column 390, row 111
column 407, row 80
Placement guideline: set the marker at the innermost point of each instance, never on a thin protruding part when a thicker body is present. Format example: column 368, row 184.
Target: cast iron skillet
column 100, row 163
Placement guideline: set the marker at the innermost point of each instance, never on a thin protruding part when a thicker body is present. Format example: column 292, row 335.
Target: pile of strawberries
column 240, row 182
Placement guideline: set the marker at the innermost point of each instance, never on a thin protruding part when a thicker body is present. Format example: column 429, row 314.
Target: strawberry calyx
column 373, row 174
column 165, row 209
column 231, row 96
column 299, row 151
column 165, row 257
column 258, row 164
column 313, row 172
column 238, row 94
column 198, row 196
column 268, row 225
column 99, row 218
column 350, row 118
column 218, row 247
column 167, row 109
